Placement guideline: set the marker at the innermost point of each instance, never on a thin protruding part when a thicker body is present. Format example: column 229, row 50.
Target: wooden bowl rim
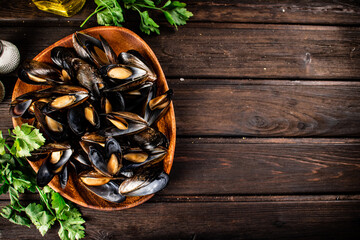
column 170, row 113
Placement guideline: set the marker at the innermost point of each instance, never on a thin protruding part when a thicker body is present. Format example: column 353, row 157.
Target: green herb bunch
column 16, row 176
column 110, row 13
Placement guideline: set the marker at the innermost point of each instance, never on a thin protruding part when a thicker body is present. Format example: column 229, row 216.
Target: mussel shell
column 133, row 124
column 154, row 157
column 155, row 186
column 77, row 121
column 45, row 150
column 87, row 76
column 157, row 107
column 44, row 175
column 93, row 178
column 81, row 42
column 109, row 52
column 81, row 158
column 116, row 101
column 19, row 108
column 39, row 73
column 59, row 136
column 63, row 177
column 149, row 139
column 65, row 157
column 91, row 115
column 120, row 73
column 94, row 137
column 133, row 58
column 136, row 99
column 108, row 191
column 48, row 170
column 113, row 156
column 142, row 178
column 61, row 56
column 98, row 160
column 97, row 51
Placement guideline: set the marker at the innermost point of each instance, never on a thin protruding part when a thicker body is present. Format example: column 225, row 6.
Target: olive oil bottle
column 66, row 8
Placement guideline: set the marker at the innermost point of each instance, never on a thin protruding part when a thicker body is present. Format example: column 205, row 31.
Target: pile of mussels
column 99, row 116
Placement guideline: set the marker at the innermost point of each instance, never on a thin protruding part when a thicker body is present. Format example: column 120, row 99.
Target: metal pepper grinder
column 9, row 60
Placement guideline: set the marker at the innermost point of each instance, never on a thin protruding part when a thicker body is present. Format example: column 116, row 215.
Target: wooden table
column 267, row 103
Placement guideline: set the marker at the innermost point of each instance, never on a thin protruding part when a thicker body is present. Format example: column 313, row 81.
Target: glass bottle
column 66, row 8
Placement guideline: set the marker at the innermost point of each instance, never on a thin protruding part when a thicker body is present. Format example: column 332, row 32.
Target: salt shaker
column 9, row 57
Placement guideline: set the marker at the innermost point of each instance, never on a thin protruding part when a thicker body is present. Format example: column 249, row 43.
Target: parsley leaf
column 27, row 138
column 16, row 176
column 2, row 144
column 40, row 218
column 147, row 24
column 110, row 12
column 71, row 228
column 9, row 213
column 177, row 14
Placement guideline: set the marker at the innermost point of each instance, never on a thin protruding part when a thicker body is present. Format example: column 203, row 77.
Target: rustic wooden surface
column 267, row 102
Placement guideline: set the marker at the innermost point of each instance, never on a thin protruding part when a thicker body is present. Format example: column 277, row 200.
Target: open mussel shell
column 155, row 186
column 19, row 108
column 122, row 72
column 54, row 129
column 47, row 149
column 44, row 175
column 112, row 102
column 82, row 118
column 134, row 59
column 94, row 137
column 94, row 178
column 136, row 98
column 97, row 51
column 77, row 121
column 149, row 139
column 108, row 191
column 124, row 123
column 106, row 160
column 138, row 158
column 62, row 56
column 157, row 107
column 39, row 73
column 53, row 165
column 113, row 156
column 146, row 181
column 64, row 176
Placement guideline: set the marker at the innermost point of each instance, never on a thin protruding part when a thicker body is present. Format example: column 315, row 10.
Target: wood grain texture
column 258, row 11
column 239, row 166
column 261, row 108
column 215, row 220
column 248, row 51
column 266, row 108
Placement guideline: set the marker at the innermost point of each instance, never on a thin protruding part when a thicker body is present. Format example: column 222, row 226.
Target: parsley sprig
column 16, row 176
column 110, row 13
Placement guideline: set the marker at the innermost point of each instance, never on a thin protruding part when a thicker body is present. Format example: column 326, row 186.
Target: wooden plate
column 120, row 39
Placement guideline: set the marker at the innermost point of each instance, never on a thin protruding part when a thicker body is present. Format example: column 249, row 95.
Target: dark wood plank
column 258, row 108
column 216, row 220
column 266, row 108
column 258, row 11
column 276, row 166
column 247, row 51
column 264, row 166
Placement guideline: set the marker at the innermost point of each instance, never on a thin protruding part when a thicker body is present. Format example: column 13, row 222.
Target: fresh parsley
column 16, row 176
column 110, row 13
